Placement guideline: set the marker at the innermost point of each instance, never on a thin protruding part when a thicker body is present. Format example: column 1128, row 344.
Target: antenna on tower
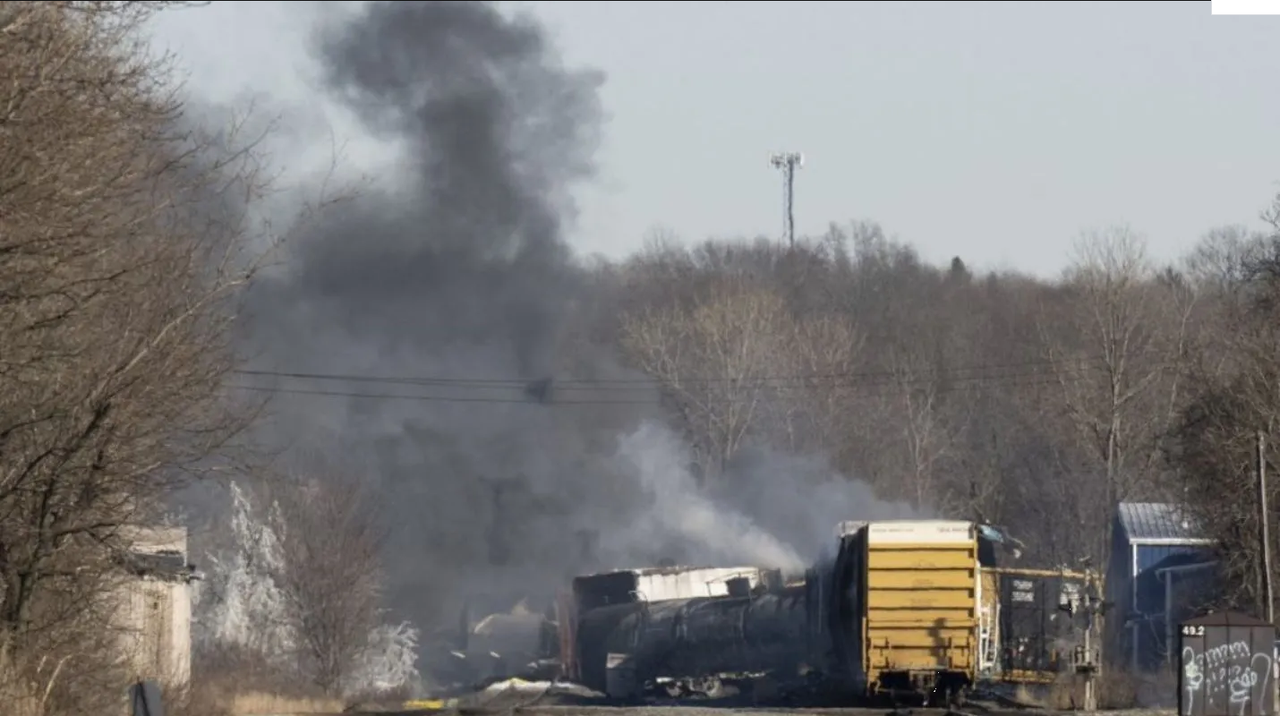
column 788, row 162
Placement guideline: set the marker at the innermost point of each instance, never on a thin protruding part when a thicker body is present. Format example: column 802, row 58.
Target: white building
column 155, row 609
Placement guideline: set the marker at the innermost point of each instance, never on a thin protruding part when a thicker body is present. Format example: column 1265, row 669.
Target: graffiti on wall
column 1231, row 675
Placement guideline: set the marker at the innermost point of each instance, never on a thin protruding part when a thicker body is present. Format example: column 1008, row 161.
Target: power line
column 878, row 383
column 1025, row 380
column 620, row 384
column 436, row 398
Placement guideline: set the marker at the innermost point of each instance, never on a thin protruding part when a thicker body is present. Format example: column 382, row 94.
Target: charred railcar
column 911, row 610
column 700, row 638
column 598, row 603
column 894, row 610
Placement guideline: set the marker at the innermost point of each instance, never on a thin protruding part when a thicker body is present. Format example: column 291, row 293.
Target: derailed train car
column 622, row 648
column 591, row 611
column 902, row 609
column 1039, row 624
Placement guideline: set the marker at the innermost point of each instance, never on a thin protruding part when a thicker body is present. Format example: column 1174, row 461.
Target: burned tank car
column 592, row 608
column 689, row 639
column 894, row 610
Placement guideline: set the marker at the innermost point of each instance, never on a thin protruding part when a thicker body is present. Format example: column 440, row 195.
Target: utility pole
column 788, row 162
column 1264, row 533
column 1085, row 657
column 1088, row 668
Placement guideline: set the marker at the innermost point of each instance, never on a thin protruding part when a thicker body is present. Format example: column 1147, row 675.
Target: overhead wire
column 650, row 380
column 603, row 383
column 1023, row 373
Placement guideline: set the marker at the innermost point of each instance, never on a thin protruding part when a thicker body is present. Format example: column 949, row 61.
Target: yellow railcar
column 905, row 609
column 910, row 595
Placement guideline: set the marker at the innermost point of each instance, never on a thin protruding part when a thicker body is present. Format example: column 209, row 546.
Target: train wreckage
column 908, row 610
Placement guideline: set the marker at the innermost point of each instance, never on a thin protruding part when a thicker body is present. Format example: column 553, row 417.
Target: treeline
column 1035, row 404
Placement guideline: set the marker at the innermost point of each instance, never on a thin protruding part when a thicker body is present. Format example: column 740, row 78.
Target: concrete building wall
column 155, row 612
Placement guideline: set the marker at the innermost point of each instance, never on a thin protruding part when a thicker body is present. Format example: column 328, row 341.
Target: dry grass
column 228, row 702
column 262, row 703
column 28, row 706
column 1116, row 690
column 1054, row 696
column 249, row 694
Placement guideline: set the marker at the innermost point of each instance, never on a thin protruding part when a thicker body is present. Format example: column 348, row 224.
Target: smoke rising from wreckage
column 902, row 610
column 458, row 267
column 459, row 270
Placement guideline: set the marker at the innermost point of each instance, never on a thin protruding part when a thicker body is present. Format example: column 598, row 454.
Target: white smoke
column 711, row 531
column 770, row 509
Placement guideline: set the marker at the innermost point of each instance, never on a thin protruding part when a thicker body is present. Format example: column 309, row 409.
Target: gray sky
column 996, row 131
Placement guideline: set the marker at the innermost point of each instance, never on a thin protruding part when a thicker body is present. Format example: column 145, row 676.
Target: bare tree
column 1235, row 399
column 735, row 361
column 1036, row 404
column 330, row 537
column 927, row 436
column 119, row 290
column 824, row 354
column 714, row 359
column 1108, row 345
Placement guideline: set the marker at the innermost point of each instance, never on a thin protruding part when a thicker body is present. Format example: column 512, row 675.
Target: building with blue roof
column 1162, row 568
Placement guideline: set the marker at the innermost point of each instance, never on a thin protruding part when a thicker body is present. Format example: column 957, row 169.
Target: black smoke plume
column 503, row 464
column 454, row 272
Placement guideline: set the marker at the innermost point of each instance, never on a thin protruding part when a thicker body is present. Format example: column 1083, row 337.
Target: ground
column 525, row 698
column 535, row 710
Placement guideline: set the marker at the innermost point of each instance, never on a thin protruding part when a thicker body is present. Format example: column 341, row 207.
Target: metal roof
column 169, row 566
column 1158, row 523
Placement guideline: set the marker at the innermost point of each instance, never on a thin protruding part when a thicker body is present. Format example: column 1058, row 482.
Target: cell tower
column 788, row 162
